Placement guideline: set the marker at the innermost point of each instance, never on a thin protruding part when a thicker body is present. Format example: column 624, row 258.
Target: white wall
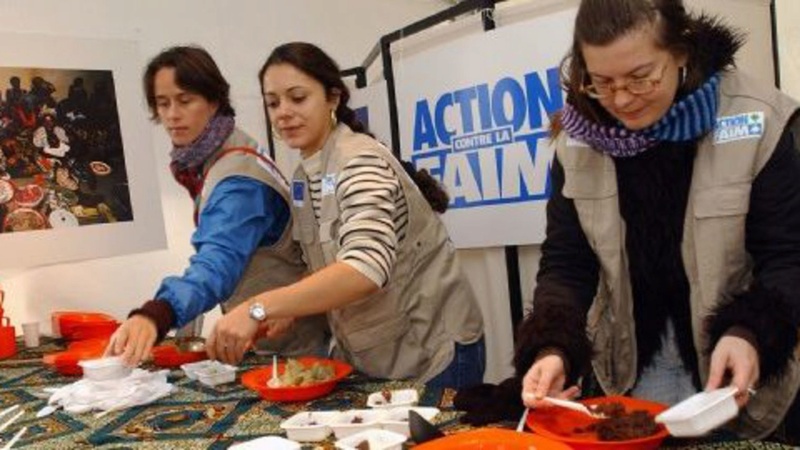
column 788, row 14
column 239, row 34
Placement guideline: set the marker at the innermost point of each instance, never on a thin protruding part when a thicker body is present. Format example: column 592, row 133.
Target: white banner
column 371, row 105
column 474, row 113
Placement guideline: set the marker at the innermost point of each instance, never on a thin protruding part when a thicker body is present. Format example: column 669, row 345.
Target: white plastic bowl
column 190, row 369
column 344, row 425
column 396, row 419
column 700, row 413
column 270, row 442
column 401, row 397
column 103, row 369
column 377, row 439
column 216, row 374
column 309, row 426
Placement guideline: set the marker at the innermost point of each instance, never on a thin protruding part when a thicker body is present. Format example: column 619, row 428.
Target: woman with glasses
column 672, row 256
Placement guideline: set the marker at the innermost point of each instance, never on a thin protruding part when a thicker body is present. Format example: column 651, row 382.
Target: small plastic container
column 216, row 373
column 190, row 369
column 105, row 369
column 309, row 426
column 377, row 440
column 270, row 442
column 356, row 420
column 700, row 413
column 396, row 419
column 402, row 397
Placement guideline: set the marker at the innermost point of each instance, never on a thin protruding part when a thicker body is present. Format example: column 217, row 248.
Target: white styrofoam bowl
column 309, row 426
column 700, row 413
column 104, row 369
column 270, row 442
column 400, row 397
column 396, row 419
column 343, row 424
column 377, row 439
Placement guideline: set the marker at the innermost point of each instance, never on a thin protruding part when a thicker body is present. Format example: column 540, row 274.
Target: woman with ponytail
column 383, row 267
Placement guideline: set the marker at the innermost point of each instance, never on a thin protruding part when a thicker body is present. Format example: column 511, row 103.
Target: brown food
column 357, row 419
column 23, row 220
column 387, row 395
column 620, row 425
column 363, row 445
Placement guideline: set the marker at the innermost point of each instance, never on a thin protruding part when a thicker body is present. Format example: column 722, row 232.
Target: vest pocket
column 722, row 201
column 585, row 184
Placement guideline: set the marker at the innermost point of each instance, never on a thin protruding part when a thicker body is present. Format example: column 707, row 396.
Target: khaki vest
column 409, row 327
column 713, row 247
column 270, row 267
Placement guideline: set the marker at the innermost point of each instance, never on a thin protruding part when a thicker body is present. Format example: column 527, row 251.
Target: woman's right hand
column 546, row 378
column 133, row 340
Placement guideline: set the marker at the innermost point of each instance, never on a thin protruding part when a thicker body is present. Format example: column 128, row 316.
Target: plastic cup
column 30, row 333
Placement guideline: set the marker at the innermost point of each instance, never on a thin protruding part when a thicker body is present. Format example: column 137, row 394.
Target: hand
column 276, row 328
column 233, row 334
column 133, row 340
column 546, row 378
column 738, row 356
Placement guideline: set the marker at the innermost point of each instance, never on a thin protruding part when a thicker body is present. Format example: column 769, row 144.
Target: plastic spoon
column 275, row 381
column 575, row 406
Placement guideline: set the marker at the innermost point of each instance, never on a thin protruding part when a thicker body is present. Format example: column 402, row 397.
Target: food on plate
column 65, row 180
column 29, row 196
column 297, row 374
column 100, row 168
column 24, row 219
column 357, row 419
column 6, row 191
column 363, row 445
column 619, row 425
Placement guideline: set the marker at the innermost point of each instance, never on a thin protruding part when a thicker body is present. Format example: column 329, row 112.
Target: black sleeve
column 565, row 288
column 771, row 307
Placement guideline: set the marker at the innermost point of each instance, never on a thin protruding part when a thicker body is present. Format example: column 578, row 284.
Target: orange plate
column 560, row 424
column 66, row 362
column 257, row 379
column 170, row 356
column 492, row 439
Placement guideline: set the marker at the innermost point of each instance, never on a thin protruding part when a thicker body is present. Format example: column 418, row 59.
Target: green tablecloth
column 196, row 416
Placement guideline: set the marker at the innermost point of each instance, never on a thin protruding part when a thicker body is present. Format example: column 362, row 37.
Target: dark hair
column 195, row 71
column 314, row 62
column 600, row 22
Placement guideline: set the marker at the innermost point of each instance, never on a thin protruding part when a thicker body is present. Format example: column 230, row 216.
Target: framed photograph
column 77, row 173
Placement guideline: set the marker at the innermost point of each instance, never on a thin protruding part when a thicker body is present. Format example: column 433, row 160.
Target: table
column 196, row 416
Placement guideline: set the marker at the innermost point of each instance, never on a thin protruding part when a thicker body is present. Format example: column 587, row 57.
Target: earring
column 334, row 120
column 682, row 74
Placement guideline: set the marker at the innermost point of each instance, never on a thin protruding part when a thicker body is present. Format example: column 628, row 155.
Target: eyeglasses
column 636, row 86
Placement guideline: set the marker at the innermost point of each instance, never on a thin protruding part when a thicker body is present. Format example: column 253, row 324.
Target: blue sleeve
column 241, row 214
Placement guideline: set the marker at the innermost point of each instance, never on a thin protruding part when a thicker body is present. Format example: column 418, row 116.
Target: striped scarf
column 688, row 119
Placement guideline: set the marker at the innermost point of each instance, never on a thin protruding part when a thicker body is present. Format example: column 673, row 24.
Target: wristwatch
column 258, row 312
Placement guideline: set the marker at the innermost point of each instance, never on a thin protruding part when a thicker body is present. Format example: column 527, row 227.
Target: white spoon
column 575, row 406
column 275, row 381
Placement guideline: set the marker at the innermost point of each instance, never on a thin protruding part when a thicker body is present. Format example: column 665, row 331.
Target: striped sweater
column 374, row 213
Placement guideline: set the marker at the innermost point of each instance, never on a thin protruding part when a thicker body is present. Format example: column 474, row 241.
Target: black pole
column 776, row 65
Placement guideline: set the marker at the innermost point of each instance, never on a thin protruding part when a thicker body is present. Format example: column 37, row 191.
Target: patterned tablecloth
column 196, row 416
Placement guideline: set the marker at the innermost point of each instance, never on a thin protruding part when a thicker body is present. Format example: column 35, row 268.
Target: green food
column 297, row 374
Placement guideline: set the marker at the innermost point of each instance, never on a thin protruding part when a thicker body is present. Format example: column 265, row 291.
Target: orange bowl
column 257, row 379
column 170, row 356
column 492, row 439
column 563, row 425
column 86, row 324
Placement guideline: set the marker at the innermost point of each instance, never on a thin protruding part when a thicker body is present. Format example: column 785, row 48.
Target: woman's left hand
column 738, row 356
column 233, row 334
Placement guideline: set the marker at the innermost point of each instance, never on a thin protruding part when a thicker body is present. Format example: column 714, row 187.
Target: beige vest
column 270, row 267
column 408, row 328
column 713, row 247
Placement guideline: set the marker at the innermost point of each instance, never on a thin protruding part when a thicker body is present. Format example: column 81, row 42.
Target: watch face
column 257, row 312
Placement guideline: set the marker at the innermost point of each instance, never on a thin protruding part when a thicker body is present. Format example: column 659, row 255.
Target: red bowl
column 560, row 424
column 70, row 322
column 257, row 379
column 492, row 439
column 170, row 356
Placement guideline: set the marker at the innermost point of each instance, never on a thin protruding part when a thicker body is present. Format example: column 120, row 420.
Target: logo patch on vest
column 298, row 193
column 328, row 184
column 741, row 126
